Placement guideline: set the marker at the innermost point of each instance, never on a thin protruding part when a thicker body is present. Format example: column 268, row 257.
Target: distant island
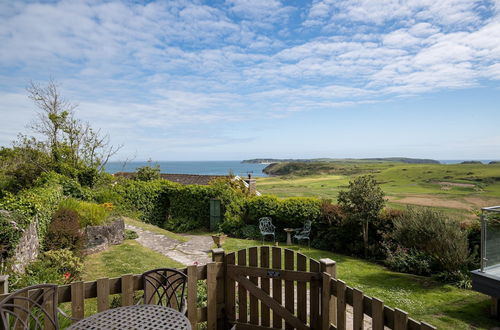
column 342, row 160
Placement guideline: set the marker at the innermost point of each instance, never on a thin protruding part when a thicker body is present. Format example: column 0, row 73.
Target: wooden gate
column 269, row 286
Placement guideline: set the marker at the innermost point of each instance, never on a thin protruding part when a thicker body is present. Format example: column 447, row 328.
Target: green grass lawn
column 444, row 306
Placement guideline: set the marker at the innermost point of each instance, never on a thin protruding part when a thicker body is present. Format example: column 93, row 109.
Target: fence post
column 329, row 266
column 212, row 296
column 218, row 255
column 4, row 284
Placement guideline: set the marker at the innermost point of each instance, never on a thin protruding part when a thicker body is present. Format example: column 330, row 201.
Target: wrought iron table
column 147, row 317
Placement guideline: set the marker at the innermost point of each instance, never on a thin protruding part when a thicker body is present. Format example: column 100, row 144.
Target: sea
column 219, row 167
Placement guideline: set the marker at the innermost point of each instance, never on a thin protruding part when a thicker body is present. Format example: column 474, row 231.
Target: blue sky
column 237, row 79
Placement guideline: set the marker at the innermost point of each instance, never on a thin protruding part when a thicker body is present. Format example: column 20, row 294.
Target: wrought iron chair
column 33, row 307
column 303, row 233
column 266, row 228
column 165, row 287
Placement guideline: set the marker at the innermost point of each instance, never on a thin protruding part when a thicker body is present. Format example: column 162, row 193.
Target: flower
column 195, row 263
column 67, row 275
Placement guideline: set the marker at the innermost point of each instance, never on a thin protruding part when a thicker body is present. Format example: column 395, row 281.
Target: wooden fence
column 259, row 288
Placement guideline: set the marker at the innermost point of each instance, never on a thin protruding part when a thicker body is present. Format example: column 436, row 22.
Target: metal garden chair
column 304, row 233
column 33, row 307
column 266, row 228
column 165, row 287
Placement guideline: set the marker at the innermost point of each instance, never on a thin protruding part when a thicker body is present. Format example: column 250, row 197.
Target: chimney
column 252, row 184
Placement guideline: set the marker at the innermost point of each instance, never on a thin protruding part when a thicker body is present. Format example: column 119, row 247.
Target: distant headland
column 344, row 160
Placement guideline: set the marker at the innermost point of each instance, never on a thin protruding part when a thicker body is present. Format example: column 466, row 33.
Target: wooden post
column 341, row 305
column 377, row 314
column 358, row 312
column 212, row 296
column 325, row 301
column 4, row 284
column 329, row 266
column 218, row 255
column 192, row 298
column 102, row 294
column 77, row 301
column 127, row 290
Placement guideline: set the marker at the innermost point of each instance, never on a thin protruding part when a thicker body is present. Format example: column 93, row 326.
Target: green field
column 456, row 189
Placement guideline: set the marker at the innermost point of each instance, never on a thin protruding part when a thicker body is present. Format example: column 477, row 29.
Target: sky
column 240, row 79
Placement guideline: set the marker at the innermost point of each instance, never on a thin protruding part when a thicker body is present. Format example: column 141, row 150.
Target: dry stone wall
column 98, row 238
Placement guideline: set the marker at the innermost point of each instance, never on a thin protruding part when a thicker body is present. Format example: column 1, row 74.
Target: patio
column 256, row 288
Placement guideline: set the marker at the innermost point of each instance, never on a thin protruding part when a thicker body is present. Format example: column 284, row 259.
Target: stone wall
column 27, row 249
column 98, row 238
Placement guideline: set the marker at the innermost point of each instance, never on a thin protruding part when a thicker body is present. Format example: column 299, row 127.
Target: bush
column 148, row 173
column 130, row 234
column 432, row 233
column 90, row 214
column 64, row 231
column 56, row 266
column 408, row 261
column 250, row 232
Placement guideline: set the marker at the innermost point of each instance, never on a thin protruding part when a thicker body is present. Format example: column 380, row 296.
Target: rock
column 98, row 238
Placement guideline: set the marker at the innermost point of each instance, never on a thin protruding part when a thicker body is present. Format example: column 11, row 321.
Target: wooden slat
column 212, row 295
column 358, row 313
column 246, row 326
column 102, row 294
column 242, row 293
column 426, row 326
column 314, row 296
column 265, row 318
column 127, row 290
column 325, row 301
column 192, row 296
column 329, row 266
column 77, row 300
column 400, row 319
column 48, row 305
column 231, row 290
column 341, row 305
column 254, row 302
column 275, row 306
column 289, row 285
column 301, row 289
column 377, row 314
column 22, row 313
column 283, row 274
column 277, row 290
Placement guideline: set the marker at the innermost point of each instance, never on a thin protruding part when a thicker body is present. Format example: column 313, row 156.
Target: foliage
column 362, row 201
column 55, row 266
column 433, row 233
column 148, row 173
column 407, row 260
column 130, row 234
column 250, row 231
column 90, row 214
column 64, row 231
column 11, row 229
column 36, row 204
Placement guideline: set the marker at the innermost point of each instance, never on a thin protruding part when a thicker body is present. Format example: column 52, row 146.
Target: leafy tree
column 363, row 202
column 148, row 172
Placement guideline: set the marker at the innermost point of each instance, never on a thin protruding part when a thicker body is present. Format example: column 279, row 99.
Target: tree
column 69, row 141
column 148, row 172
column 363, row 201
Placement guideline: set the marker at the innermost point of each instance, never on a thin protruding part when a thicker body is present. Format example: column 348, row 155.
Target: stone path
column 196, row 249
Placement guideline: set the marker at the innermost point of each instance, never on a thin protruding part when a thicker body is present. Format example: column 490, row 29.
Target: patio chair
column 33, row 307
column 165, row 287
column 303, row 233
column 266, row 228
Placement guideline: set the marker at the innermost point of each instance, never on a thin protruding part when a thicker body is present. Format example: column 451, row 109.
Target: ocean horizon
column 217, row 167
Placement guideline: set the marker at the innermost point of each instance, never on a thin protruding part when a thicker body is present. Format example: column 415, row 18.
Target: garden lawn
column 155, row 229
column 444, row 306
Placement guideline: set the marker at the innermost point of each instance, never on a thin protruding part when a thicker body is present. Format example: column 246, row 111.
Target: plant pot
column 219, row 239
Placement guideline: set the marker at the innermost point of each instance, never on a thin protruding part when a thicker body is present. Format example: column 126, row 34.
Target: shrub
column 406, row 260
column 56, row 266
column 362, row 201
column 433, row 233
column 250, row 232
column 148, row 173
column 64, row 231
column 90, row 214
column 130, row 234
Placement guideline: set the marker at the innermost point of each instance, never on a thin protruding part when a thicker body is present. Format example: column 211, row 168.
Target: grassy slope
column 444, row 306
column 401, row 181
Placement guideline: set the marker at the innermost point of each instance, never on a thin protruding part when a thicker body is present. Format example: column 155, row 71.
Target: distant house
column 198, row 179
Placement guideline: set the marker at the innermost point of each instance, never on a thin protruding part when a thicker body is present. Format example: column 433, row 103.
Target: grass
column 155, row 229
column 127, row 258
column 442, row 305
column 417, row 184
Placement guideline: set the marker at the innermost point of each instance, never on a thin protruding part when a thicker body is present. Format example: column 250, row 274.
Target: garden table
column 147, row 317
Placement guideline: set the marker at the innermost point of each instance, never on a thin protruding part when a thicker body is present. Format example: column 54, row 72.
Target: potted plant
column 219, row 238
